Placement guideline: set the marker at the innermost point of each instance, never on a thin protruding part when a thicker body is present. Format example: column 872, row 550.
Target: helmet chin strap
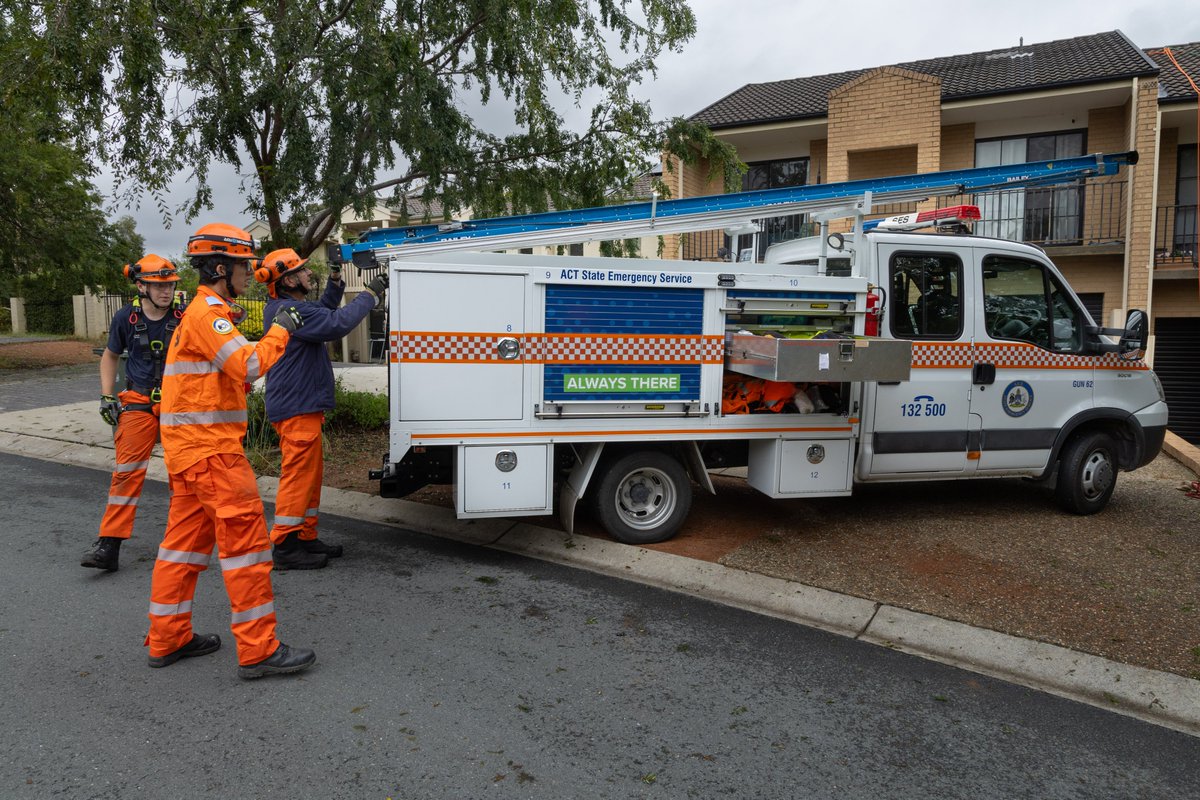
column 295, row 292
column 228, row 276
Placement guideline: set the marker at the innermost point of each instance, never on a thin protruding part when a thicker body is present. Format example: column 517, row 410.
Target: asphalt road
column 25, row 389
column 447, row 671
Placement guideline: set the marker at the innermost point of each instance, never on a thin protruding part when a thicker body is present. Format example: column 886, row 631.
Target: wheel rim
column 646, row 498
column 1097, row 475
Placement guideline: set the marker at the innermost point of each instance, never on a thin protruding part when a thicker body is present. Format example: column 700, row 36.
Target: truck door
column 460, row 346
column 1031, row 375
column 921, row 425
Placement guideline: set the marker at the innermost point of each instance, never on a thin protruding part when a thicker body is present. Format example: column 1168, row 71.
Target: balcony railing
column 1083, row 214
column 1175, row 236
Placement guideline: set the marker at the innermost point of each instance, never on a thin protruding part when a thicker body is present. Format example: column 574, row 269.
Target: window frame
column 960, row 272
column 1051, row 202
column 1050, row 281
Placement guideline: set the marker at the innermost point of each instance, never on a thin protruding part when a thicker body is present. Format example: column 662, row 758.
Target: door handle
column 983, row 374
column 508, row 348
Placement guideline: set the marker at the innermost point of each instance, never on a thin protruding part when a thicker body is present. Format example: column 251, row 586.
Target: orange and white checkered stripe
column 555, row 348
column 1010, row 355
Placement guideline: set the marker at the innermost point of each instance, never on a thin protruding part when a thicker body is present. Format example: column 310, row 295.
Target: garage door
column 1176, row 356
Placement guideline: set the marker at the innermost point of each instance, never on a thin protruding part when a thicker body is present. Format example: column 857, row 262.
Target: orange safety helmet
column 219, row 239
column 152, row 268
column 276, row 264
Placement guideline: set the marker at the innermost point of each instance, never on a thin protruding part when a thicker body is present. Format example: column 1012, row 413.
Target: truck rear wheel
column 643, row 497
column 1087, row 473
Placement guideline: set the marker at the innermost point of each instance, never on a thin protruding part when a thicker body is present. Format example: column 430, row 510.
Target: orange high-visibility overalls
column 298, row 501
column 214, row 496
column 137, row 429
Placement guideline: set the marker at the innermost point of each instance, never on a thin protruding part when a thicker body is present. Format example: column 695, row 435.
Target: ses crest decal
column 222, row 326
column 1017, row 399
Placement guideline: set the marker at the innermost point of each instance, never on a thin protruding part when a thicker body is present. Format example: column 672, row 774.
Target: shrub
column 353, row 411
column 357, row 410
column 260, row 435
column 252, row 326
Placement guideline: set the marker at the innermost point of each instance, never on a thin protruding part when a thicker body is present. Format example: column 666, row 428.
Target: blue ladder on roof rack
column 712, row 211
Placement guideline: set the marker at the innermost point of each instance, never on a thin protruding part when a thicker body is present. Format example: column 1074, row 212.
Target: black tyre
column 643, row 497
column 1087, row 473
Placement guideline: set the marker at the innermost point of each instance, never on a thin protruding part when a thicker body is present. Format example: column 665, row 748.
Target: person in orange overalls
column 143, row 328
column 299, row 391
column 214, row 497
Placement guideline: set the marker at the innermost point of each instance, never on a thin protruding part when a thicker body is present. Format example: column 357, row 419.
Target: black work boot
column 317, row 546
column 198, row 646
column 285, row 659
column 290, row 554
column 103, row 554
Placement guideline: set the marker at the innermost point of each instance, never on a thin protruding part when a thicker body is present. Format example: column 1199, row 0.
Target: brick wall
column 864, row 164
column 958, row 147
column 695, row 182
column 1091, row 274
column 1139, row 247
column 1176, row 298
column 885, row 109
column 1107, row 132
column 818, row 161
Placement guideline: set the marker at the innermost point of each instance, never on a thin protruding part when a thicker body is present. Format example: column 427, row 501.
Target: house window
column 1045, row 216
column 777, row 174
column 1184, row 242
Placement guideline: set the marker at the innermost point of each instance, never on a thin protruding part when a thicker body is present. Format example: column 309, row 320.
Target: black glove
column 288, row 318
column 110, row 409
column 335, row 273
column 378, row 284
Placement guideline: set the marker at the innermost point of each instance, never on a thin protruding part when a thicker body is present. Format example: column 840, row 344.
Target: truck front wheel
column 1087, row 473
column 643, row 497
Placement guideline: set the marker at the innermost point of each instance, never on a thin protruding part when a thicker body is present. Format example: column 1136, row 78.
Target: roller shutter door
column 1177, row 363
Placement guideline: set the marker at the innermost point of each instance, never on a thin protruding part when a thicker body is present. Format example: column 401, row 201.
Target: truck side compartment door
column 460, row 346
column 922, row 425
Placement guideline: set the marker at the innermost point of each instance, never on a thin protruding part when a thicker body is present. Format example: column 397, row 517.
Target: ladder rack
column 631, row 220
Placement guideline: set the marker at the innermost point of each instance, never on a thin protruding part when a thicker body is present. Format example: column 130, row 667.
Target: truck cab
column 1010, row 374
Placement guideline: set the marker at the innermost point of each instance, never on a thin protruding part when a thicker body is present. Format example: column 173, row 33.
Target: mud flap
column 587, row 457
column 695, row 465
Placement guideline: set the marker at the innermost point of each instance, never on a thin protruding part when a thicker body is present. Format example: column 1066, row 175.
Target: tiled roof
column 1173, row 86
column 1066, row 62
column 643, row 187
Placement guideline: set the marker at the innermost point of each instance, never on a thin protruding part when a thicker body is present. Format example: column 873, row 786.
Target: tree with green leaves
column 339, row 103
column 56, row 239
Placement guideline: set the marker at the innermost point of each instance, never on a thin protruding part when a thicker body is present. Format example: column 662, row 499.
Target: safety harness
column 153, row 350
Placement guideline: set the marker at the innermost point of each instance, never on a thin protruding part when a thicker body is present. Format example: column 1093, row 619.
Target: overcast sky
column 757, row 41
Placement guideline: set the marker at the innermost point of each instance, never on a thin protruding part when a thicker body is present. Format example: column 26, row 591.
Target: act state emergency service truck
column 889, row 353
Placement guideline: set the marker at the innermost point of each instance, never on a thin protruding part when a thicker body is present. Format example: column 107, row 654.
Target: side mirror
column 1133, row 340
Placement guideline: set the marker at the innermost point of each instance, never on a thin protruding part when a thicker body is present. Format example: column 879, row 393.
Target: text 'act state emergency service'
column 611, row 276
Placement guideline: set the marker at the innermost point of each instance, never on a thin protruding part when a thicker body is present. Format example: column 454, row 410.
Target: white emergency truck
column 889, row 353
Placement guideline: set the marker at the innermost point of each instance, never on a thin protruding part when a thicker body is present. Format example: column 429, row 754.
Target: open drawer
column 792, row 360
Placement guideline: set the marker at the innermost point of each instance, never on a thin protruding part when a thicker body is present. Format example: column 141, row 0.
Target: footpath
column 74, row 434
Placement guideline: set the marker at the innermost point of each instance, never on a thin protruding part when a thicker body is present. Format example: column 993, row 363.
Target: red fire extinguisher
column 874, row 310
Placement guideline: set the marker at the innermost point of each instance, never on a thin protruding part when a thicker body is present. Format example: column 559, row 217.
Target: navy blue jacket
column 302, row 381
column 139, row 369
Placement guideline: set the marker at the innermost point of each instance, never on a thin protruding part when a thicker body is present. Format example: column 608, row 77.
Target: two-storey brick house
column 1127, row 241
